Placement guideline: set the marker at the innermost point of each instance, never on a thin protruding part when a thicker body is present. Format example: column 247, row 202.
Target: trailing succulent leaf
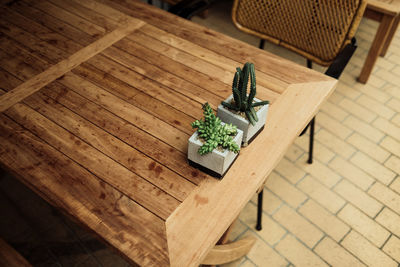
column 214, row 132
column 242, row 101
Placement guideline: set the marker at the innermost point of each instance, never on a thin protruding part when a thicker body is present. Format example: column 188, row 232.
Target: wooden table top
column 388, row 7
column 96, row 101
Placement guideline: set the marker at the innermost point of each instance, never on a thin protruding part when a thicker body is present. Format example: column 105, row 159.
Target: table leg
column 225, row 252
column 376, row 47
column 222, row 254
column 390, row 36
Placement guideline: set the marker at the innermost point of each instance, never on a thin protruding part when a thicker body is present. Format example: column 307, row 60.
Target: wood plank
column 70, row 18
column 88, row 14
column 40, row 31
column 390, row 36
column 215, row 59
column 220, row 80
column 49, row 75
column 391, row 8
column 132, row 185
column 105, row 10
column 52, row 23
column 7, row 81
column 177, row 84
column 198, row 63
column 128, row 112
column 130, row 228
column 233, row 48
column 376, row 47
column 166, row 155
column 39, row 47
column 14, row 64
column 10, row 257
column 213, row 214
column 147, row 85
column 372, row 14
column 22, row 54
column 135, row 97
column 171, row 66
column 161, row 152
column 130, row 134
column 114, row 148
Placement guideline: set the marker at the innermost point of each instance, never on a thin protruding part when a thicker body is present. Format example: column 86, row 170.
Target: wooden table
column 96, row 120
column 387, row 13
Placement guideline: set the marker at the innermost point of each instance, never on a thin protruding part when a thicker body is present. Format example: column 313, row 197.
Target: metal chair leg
column 311, row 144
column 261, row 45
column 259, row 210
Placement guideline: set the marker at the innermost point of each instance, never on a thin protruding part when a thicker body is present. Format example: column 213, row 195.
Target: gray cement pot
column 215, row 163
column 249, row 131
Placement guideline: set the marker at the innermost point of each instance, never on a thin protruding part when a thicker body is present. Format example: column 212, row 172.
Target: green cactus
column 242, row 101
column 214, row 132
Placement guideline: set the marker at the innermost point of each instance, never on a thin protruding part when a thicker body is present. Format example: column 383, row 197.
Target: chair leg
column 262, row 43
column 259, row 210
column 311, row 144
column 309, row 64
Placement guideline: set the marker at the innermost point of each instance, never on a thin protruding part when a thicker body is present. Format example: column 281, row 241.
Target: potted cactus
column 215, row 145
column 245, row 111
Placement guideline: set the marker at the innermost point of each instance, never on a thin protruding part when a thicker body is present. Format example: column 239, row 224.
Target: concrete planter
column 215, row 163
column 249, row 131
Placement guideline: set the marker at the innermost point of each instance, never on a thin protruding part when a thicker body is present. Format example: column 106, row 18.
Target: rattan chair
column 320, row 30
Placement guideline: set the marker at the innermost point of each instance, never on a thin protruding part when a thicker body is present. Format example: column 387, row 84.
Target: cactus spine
column 242, row 101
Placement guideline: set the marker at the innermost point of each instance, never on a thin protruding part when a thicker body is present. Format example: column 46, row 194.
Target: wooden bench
column 387, row 13
column 11, row 258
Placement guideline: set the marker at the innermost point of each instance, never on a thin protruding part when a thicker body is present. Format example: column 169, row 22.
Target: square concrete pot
column 249, row 131
column 215, row 163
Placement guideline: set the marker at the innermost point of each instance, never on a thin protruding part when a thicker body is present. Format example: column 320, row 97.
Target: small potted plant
column 215, row 145
column 245, row 111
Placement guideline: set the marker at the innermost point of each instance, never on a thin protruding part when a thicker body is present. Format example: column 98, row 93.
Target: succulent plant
column 214, row 132
column 243, row 102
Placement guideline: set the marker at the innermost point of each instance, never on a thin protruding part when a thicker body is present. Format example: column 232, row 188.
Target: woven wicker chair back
column 316, row 29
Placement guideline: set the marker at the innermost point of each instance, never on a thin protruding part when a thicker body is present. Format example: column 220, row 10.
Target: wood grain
column 130, row 113
column 225, row 65
column 132, row 185
column 111, row 146
column 10, row 257
column 389, row 7
column 131, row 134
column 136, row 97
column 38, row 30
column 117, row 220
column 376, row 47
column 88, row 14
column 52, row 23
column 39, row 47
column 54, row 72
